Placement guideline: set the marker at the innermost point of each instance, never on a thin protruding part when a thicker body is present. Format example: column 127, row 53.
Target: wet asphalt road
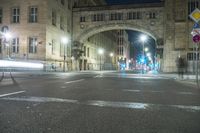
column 97, row 102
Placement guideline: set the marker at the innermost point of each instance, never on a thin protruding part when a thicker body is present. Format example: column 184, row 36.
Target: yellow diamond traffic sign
column 195, row 15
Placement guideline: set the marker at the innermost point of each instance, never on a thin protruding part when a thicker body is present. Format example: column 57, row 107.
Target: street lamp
column 100, row 52
column 148, row 54
column 7, row 35
column 146, row 49
column 143, row 38
column 64, row 41
column 111, row 54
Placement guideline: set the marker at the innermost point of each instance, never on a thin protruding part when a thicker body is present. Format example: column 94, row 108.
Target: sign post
column 195, row 16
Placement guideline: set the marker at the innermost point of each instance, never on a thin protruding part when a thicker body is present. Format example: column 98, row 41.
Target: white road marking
column 186, row 93
column 129, row 105
column 133, row 105
column 13, row 93
column 138, row 91
column 63, row 87
column 131, row 90
column 98, row 76
column 40, row 99
column 131, row 77
column 95, row 76
column 74, row 81
column 194, row 108
column 118, row 104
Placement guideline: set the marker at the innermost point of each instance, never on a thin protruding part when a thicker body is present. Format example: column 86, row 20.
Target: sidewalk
column 187, row 78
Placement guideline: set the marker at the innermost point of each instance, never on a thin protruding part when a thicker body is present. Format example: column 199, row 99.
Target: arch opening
column 131, row 61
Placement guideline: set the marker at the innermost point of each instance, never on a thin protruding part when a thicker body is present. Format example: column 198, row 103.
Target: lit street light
column 7, row 35
column 143, row 38
column 100, row 52
column 64, row 41
column 111, row 54
column 146, row 49
column 148, row 54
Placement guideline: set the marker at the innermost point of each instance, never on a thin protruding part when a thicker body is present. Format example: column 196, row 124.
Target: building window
column 1, row 15
column 61, row 22
column 68, row 25
column 54, row 18
column 131, row 15
column 33, row 14
column 32, row 45
column 69, row 4
column 88, row 52
column 192, row 5
column 53, row 47
column 152, row 15
column 15, row 45
column 98, row 17
column 75, row 4
column 68, row 52
column 82, row 19
column 62, row 2
column 62, row 47
column 0, row 45
column 192, row 56
column 15, row 15
column 139, row 15
column 134, row 15
column 116, row 16
column 84, row 54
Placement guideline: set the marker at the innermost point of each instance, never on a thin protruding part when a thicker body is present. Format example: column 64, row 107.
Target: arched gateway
column 147, row 18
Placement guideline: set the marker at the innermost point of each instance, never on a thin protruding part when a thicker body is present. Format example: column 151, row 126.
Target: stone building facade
column 167, row 22
column 178, row 38
column 37, row 29
column 146, row 18
column 123, row 47
column 91, row 59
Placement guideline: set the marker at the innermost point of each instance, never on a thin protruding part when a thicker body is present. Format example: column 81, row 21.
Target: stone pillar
column 175, row 33
column 169, row 36
column 77, row 53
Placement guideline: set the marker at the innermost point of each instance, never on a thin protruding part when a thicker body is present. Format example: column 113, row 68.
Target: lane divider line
column 74, row 81
column 13, row 93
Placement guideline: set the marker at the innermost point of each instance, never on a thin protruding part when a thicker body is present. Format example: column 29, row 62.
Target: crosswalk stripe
column 111, row 104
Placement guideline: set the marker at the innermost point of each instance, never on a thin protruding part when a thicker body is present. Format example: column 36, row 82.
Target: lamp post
column 64, row 41
column 7, row 37
column 111, row 56
column 143, row 38
column 100, row 52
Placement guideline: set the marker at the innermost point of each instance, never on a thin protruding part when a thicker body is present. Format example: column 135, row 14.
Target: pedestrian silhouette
column 180, row 67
